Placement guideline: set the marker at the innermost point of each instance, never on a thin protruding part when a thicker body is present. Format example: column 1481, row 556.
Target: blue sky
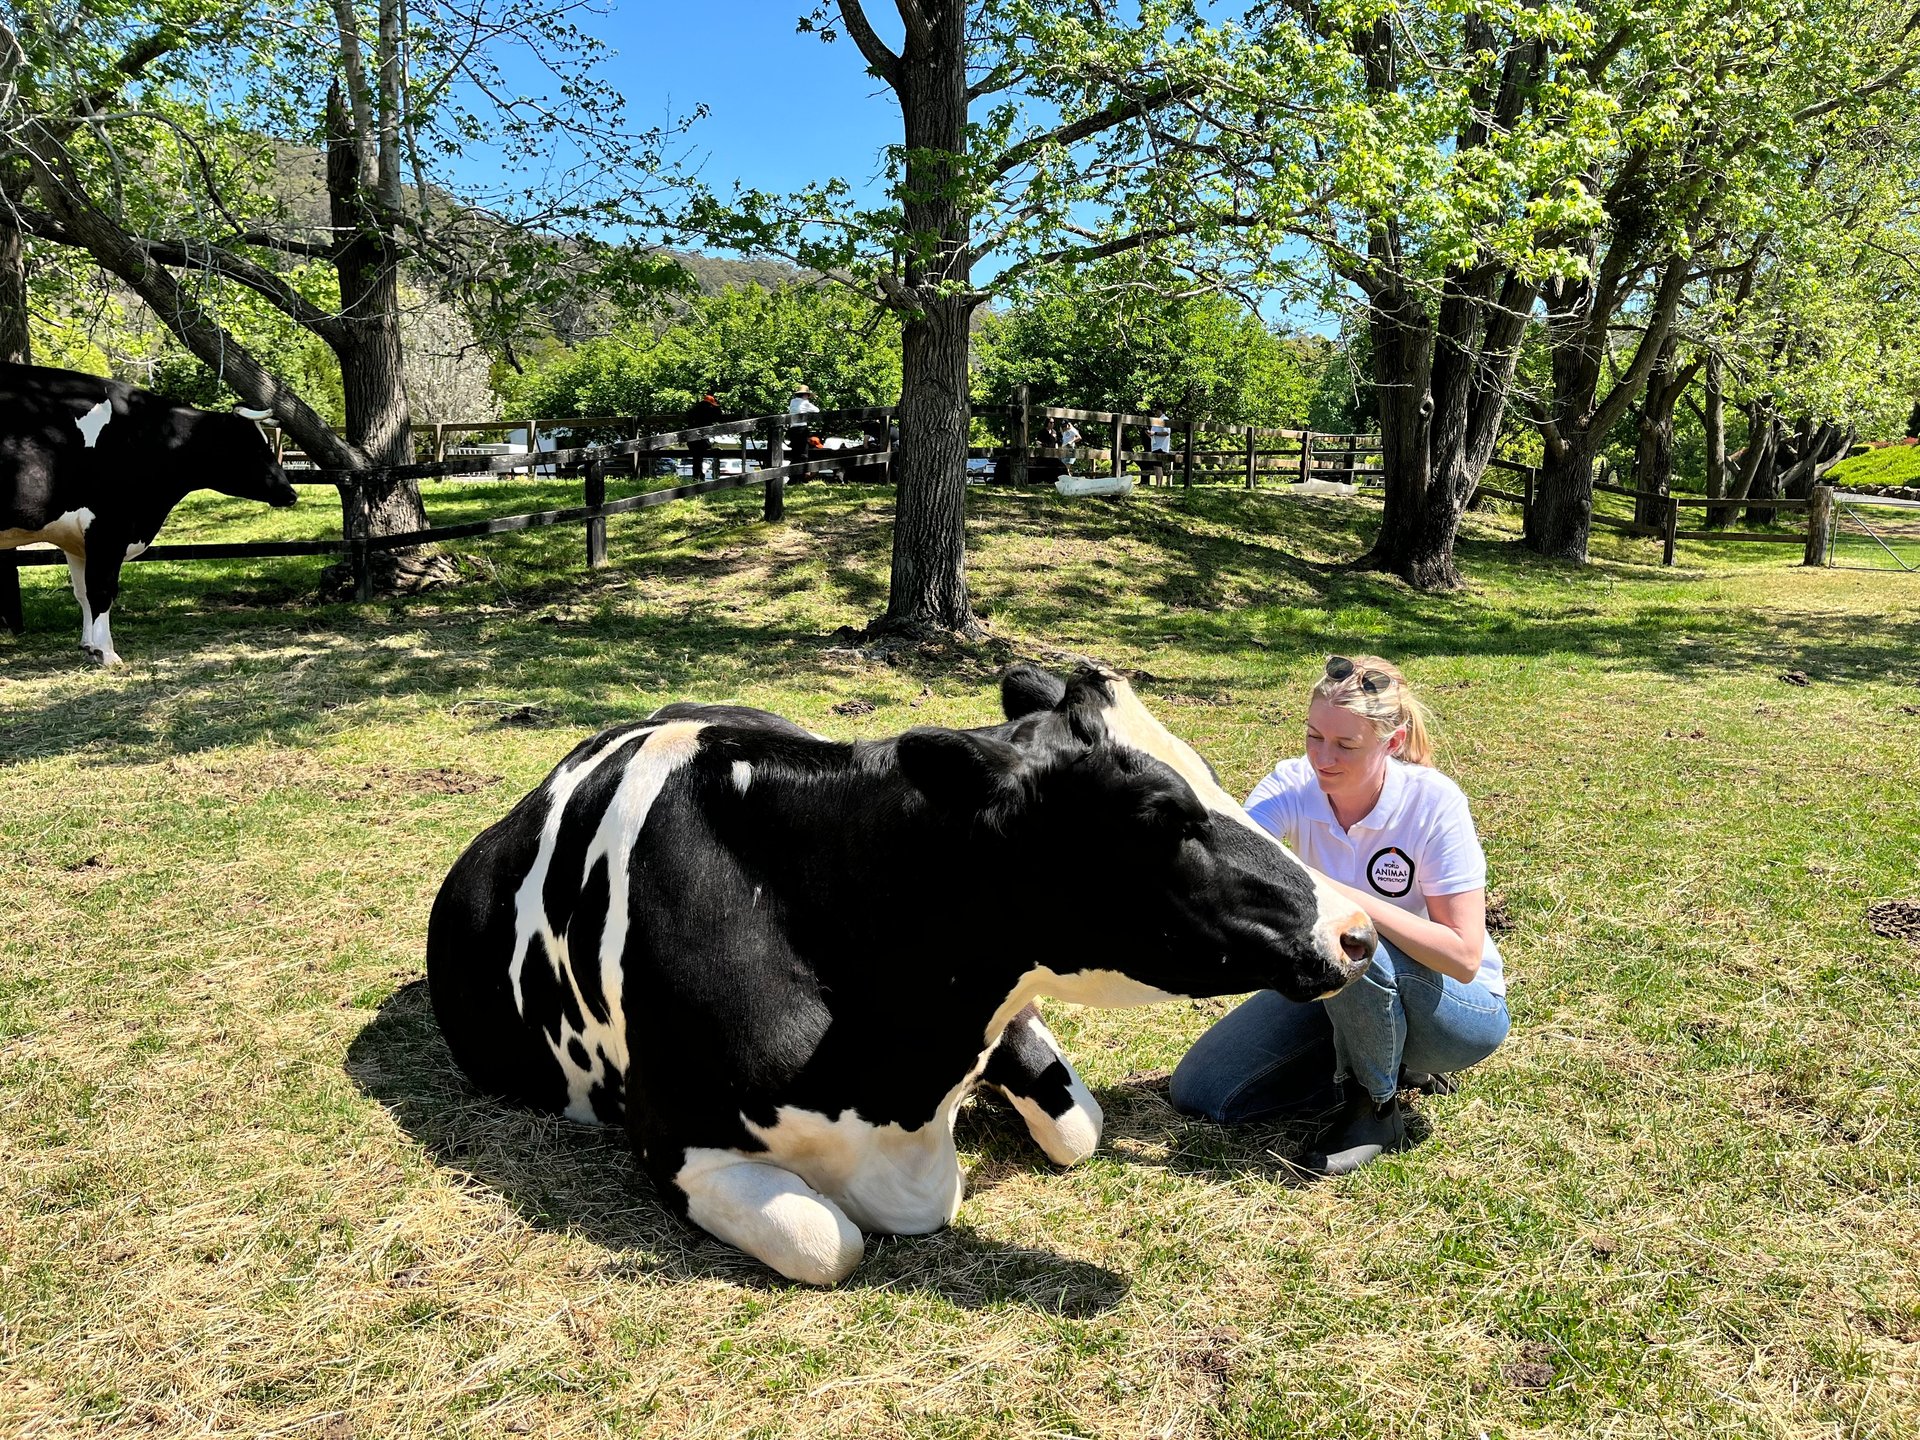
column 784, row 108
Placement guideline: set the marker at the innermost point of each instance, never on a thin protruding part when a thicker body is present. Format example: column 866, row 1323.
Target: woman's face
column 1347, row 756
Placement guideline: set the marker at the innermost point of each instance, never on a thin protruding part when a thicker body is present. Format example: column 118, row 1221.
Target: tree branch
column 885, row 63
column 1096, row 124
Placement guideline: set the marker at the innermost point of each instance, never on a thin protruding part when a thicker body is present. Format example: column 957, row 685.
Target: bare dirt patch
column 1896, row 920
column 434, row 780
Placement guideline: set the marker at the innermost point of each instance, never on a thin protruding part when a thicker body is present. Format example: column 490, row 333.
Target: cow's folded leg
column 1027, row 1066
column 772, row 1214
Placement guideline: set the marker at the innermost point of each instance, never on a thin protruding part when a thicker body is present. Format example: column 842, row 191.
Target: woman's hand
column 1450, row 940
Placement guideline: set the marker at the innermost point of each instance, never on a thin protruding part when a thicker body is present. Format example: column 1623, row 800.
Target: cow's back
column 602, row 945
column 45, row 462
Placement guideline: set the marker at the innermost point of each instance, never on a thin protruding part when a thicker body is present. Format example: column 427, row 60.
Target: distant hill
column 300, row 191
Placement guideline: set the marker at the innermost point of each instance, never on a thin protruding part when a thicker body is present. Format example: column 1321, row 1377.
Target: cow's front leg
column 96, row 580
column 1027, row 1066
column 772, row 1214
column 101, row 575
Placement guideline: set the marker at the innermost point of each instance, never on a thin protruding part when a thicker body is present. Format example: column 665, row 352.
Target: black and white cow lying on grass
column 782, row 962
column 95, row 467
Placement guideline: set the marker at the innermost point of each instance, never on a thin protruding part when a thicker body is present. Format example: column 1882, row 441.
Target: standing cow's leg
column 96, row 580
column 1027, row 1066
column 77, row 573
column 11, row 615
column 772, row 1214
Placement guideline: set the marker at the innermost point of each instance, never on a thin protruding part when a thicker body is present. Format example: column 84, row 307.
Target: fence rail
column 1816, row 538
column 1300, row 457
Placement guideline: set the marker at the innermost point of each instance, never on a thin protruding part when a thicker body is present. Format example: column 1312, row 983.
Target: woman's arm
column 1451, row 941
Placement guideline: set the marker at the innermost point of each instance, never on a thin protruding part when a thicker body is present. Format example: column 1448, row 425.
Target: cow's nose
column 1357, row 940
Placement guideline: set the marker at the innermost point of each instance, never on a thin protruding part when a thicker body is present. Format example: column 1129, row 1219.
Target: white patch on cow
column 68, row 533
column 888, row 1179
column 1130, row 723
column 772, row 1214
column 742, row 776
column 135, row 548
column 94, row 421
column 1108, row 989
column 1070, row 1138
column 661, row 752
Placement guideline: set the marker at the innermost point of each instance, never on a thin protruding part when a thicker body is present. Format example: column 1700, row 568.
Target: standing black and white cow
column 95, row 467
column 782, row 962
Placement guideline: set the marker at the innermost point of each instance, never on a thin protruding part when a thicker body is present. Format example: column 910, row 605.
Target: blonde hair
column 1388, row 706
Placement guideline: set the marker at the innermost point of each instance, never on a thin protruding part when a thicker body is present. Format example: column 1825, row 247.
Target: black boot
column 1363, row 1132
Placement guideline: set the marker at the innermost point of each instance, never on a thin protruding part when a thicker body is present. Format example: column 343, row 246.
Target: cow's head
column 228, row 452
column 1152, row 871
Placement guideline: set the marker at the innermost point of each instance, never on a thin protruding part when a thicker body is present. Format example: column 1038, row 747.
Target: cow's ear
column 1027, row 690
column 1086, row 698
column 958, row 771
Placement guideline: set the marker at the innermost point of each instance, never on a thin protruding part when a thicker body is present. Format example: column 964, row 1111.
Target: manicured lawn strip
column 243, row 1191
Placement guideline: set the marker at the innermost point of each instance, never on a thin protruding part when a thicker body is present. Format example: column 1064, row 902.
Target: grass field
column 242, row 1192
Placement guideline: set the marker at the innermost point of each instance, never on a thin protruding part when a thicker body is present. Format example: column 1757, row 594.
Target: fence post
column 1671, row 523
column 1119, row 445
column 1186, row 464
column 1306, row 456
column 594, row 492
column 1022, row 433
column 1250, row 457
column 1346, row 463
column 533, row 449
column 439, row 441
column 11, row 615
column 1819, row 524
column 776, row 502
column 638, row 431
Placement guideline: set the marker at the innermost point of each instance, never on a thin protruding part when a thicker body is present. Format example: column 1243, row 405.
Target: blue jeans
column 1273, row 1054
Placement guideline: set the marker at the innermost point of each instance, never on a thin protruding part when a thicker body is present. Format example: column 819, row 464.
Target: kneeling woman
column 1365, row 807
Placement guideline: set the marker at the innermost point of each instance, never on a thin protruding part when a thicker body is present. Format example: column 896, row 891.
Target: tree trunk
column 372, row 375
column 1442, row 386
column 1652, row 466
column 1762, row 480
column 928, row 590
column 15, row 344
column 1713, row 418
column 1561, row 521
column 1653, row 438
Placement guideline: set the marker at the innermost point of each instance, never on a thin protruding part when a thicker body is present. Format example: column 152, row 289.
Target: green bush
column 747, row 346
column 1889, row 465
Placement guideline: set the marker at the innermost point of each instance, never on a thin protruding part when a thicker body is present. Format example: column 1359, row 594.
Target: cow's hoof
column 105, row 659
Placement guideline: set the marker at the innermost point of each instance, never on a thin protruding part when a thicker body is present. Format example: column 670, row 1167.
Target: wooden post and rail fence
column 1283, row 457
column 1815, row 539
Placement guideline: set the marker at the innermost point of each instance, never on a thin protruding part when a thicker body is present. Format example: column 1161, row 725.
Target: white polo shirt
column 1418, row 840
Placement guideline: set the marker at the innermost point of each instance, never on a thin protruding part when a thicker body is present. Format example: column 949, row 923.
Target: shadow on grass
column 575, row 1178
column 707, row 595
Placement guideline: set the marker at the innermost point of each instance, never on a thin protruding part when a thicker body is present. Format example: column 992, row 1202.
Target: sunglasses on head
column 1339, row 667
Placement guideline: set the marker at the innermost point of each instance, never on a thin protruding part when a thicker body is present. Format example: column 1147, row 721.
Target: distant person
column 1159, row 447
column 1069, row 445
column 704, row 411
column 1367, row 809
column 1046, row 468
column 799, row 436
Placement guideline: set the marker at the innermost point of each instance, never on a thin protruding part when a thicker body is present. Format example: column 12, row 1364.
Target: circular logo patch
column 1390, row 872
